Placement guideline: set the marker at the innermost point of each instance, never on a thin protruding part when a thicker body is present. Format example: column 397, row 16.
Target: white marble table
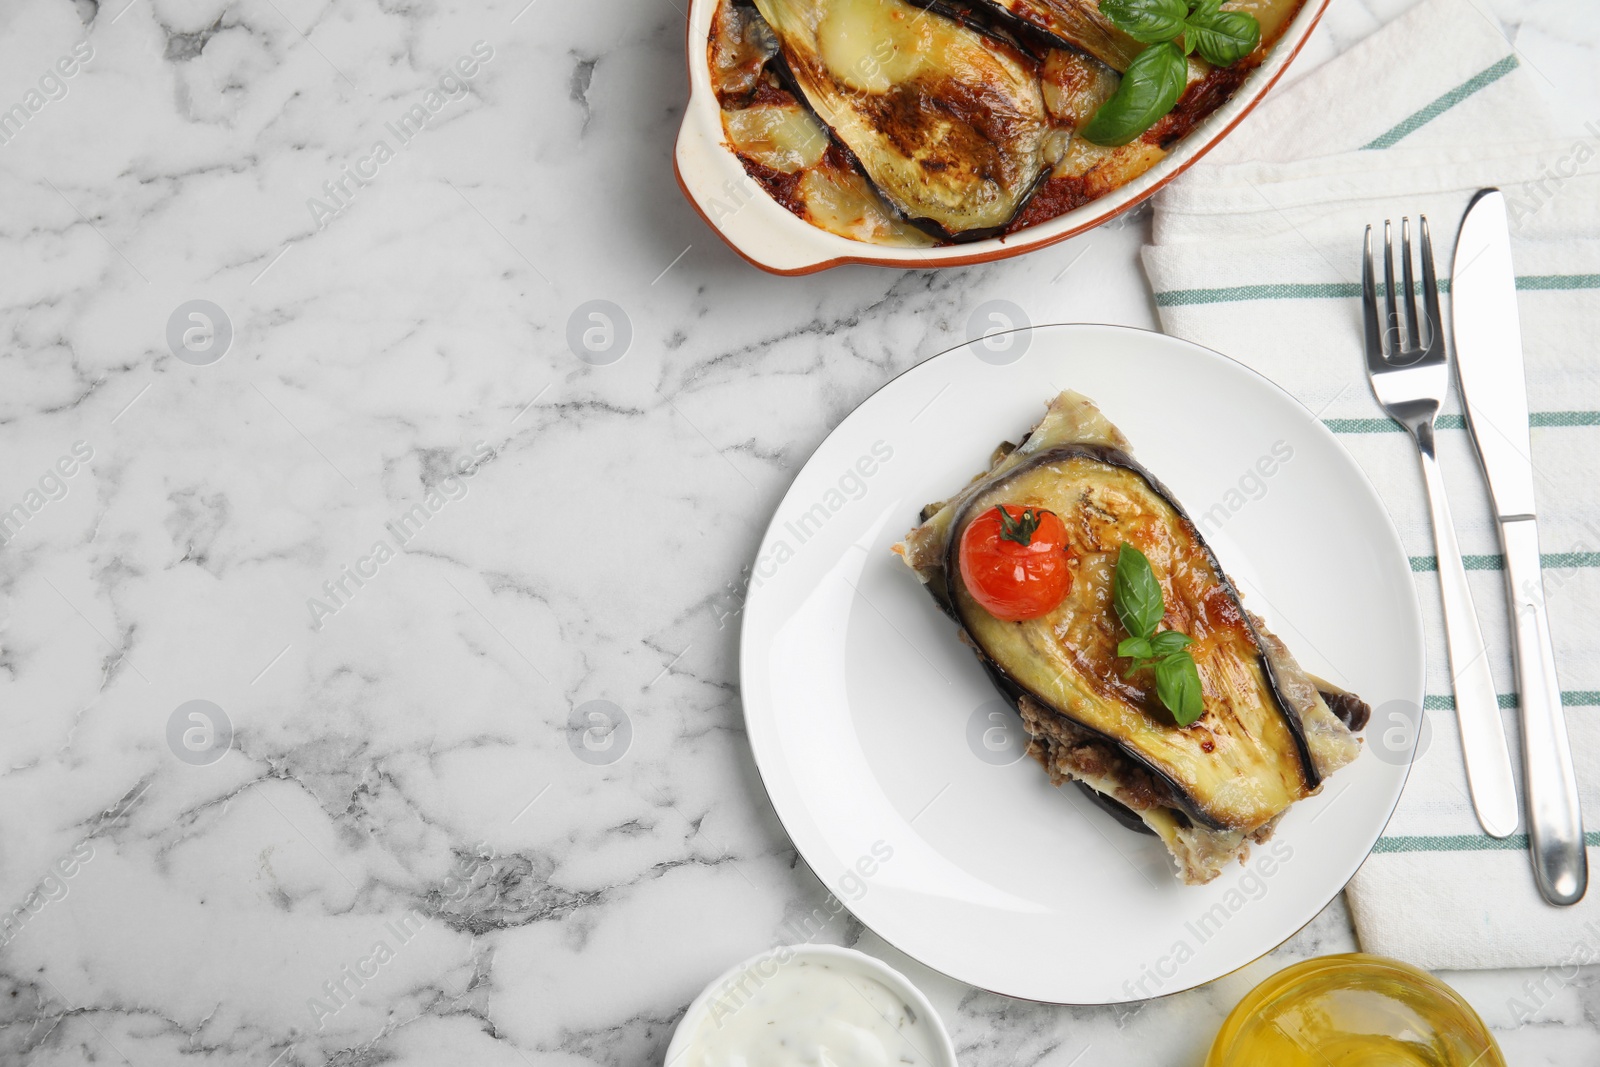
column 178, row 896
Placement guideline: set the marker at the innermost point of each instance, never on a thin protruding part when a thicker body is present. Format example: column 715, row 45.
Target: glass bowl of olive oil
column 1353, row 1010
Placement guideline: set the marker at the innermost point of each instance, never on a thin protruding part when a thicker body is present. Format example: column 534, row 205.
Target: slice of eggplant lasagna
column 1266, row 733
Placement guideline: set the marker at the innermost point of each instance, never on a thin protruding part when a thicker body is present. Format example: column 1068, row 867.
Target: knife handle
column 1555, row 821
column 1483, row 732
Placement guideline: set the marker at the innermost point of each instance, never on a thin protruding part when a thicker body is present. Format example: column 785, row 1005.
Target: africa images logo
column 351, row 578
column 455, row 84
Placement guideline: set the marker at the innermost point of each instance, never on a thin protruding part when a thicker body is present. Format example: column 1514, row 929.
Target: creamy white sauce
column 811, row 1012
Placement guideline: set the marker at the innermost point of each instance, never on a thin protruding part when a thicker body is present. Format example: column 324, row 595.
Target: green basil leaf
column 1137, row 647
column 1136, row 594
column 1178, row 686
column 1167, row 642
column 1150, row 87
column 1222, row 37
column 1147, row 21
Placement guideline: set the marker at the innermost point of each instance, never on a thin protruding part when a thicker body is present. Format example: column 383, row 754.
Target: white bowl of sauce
column 803, row 1005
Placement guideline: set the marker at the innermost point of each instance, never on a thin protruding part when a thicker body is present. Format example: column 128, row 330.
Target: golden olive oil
column 1353, row 1011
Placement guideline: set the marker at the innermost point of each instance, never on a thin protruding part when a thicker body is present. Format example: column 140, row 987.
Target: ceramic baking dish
column 774, row 239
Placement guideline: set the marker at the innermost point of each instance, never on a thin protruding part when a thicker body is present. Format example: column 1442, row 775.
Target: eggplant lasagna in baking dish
column 924, row 122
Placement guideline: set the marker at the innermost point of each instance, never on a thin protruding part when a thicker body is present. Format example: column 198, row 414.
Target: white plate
column 860, row 701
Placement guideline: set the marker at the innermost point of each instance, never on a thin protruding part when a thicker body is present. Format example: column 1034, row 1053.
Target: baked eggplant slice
column 1267, row 736
column 1071, row 24
column 947, row 122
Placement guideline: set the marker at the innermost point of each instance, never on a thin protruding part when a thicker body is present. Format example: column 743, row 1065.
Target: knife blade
column 1494, row 392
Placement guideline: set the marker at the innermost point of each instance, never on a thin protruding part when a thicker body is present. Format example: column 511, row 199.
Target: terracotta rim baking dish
column 771, row 237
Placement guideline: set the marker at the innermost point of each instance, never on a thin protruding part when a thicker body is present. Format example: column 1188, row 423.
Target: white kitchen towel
column 1256, row 253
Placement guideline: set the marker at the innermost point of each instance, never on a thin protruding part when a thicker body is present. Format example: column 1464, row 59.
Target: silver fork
column 1410, row 381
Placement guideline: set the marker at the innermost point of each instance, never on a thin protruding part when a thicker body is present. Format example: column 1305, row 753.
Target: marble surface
column 385, row 758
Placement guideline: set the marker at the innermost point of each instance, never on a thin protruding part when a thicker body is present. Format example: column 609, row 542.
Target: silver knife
column 1483, row 301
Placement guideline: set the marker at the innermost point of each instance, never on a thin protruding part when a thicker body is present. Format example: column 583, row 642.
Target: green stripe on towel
column 1420, row 118
column 1464, row 843
column 1535, row 282
column 1548, row 560
column 1563, row 418
column 1570, row 698
column 1386, row 425
column 1348, row 290
column 1456, row 422
column 1283, row 291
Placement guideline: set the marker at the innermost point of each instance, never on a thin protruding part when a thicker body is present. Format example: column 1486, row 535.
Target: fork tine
column 1413, row 338
column 1369, row 309
column 1391, row 323
column 1430, row 288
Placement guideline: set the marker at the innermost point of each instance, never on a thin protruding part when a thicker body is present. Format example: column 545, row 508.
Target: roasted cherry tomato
column 1015, row 561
